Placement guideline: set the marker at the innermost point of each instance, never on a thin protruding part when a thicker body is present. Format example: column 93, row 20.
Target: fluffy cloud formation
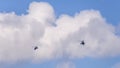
column 89, row 25
column 19, row 35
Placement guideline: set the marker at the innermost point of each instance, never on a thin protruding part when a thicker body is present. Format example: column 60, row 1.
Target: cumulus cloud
column 42, row 12
column 88, row 25
column 19, row 34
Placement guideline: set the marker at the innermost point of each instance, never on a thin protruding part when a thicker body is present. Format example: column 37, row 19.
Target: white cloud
column 42, row 12
column 88, row 25
column 18, row 35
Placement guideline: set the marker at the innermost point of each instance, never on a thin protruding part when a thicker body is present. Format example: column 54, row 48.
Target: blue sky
column 109, row 9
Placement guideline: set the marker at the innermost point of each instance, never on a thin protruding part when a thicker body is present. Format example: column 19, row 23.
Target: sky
column 57, row 27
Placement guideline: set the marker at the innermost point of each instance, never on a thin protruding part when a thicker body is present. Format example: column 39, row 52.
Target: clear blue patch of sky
column 96, row 62
column 79, row 63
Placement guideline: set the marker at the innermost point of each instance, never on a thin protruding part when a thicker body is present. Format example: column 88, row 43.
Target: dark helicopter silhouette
column 36, row 47
column 82, row 42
